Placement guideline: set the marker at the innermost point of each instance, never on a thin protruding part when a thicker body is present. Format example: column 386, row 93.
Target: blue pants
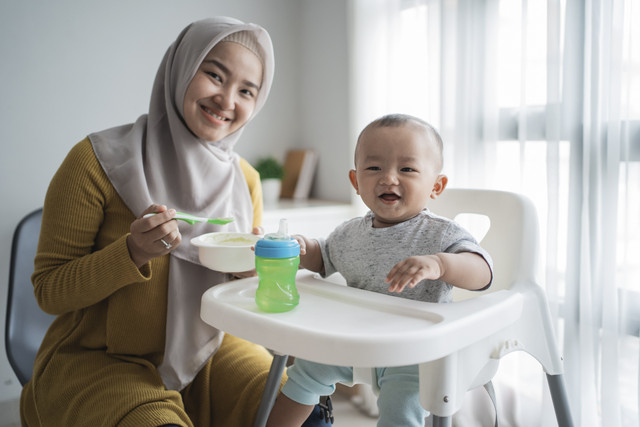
column 398, row 401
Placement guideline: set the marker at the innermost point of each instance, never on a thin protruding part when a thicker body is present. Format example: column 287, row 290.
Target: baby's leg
column 307, row 382
column 287, row 412
column 399, row 399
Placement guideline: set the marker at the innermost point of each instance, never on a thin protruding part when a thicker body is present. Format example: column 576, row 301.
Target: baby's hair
column 397, row 120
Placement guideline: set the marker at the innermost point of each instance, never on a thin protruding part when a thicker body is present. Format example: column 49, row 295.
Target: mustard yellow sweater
column 97, row 363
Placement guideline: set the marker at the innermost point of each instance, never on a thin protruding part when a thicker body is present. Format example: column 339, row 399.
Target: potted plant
column 271, row 172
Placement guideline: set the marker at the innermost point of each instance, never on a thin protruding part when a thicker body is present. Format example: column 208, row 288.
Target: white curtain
column 540, row 97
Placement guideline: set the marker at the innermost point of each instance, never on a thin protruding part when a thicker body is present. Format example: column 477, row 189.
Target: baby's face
column 397, row 171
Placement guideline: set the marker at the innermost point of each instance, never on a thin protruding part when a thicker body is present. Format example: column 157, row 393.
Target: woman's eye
column 247, row 92
column 213, row 75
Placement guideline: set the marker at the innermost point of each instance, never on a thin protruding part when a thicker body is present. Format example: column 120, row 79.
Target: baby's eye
column 408, row 169
column 373, row 168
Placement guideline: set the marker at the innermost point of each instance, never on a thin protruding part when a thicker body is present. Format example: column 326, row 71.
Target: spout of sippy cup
column 283, row 232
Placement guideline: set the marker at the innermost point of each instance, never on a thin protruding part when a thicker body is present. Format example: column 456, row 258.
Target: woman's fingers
column 171, row 240
column 153, row 235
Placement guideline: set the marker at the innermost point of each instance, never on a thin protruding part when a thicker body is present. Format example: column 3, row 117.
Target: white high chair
column 457, row 346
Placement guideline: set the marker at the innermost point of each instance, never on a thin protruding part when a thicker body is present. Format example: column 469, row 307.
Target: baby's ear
column 354, row 180
column 439, row 186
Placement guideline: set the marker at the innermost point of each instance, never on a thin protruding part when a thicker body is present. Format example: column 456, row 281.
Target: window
column 540, row 97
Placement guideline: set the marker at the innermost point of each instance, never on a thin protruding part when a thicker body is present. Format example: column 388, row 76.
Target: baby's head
column 398, row 160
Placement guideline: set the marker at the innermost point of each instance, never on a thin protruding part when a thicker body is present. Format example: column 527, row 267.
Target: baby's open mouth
column 389, row 197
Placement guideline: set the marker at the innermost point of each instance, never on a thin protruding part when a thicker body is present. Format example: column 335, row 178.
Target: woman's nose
column 224, row 99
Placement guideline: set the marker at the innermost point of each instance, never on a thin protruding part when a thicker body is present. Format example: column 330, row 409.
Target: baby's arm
column 310, row 254
column 465, row 270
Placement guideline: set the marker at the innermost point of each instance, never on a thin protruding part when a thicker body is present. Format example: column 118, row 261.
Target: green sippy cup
column 277, row 260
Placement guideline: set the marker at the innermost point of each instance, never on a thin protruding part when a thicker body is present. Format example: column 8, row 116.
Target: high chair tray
column 338, row 325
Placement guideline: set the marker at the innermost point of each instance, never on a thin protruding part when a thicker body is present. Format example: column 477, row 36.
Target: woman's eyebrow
column 226, row 70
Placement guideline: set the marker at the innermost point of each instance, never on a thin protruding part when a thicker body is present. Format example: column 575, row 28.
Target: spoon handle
column 190, row 219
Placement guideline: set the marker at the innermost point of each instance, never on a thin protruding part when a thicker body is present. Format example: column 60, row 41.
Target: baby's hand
column 310, row 254
column 302, row 242
column 412, row 270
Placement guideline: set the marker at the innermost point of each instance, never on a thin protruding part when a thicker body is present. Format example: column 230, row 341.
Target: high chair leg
column 560, row 400
column 492, row 395
column 441, row 421
column 270, row 389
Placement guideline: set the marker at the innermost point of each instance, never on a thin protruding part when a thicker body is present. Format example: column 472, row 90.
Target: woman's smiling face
column 222, row 95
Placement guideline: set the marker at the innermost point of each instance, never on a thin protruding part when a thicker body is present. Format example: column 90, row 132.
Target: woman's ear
column 354, row 180
column 439, row 186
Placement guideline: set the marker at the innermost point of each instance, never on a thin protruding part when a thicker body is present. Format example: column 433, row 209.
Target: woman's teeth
column 214, row 115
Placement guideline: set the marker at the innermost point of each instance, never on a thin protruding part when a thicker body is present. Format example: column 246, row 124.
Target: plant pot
column 271, row 191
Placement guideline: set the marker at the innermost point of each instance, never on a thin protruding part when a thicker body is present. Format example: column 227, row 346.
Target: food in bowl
column 226, row 240
column 226, row 251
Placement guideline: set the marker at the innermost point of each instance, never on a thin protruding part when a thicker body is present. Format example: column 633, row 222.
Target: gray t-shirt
column 364, row 255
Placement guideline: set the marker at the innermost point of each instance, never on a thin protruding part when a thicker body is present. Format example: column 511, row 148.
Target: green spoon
column 196, row 219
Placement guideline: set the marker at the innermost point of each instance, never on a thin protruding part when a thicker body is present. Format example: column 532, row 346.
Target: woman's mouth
column 214, row 115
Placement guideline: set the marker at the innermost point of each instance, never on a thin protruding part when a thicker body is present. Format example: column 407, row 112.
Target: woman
column 128, row 347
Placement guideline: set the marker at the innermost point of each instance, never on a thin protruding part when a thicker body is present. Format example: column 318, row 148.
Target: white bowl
column 226, row 252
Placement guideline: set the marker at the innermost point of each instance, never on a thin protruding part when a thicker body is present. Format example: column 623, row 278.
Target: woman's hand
column 154, row 236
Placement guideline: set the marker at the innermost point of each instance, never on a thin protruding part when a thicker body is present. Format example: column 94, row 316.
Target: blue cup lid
column 279, row 248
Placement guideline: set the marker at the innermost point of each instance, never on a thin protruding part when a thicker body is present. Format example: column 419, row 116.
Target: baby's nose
column 389, row 178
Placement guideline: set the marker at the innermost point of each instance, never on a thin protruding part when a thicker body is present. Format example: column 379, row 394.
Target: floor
column 345, row 413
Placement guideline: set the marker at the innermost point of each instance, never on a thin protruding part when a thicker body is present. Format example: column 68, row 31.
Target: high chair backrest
column 511, row 238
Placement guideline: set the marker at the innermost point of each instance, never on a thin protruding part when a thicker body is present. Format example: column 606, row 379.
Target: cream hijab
column 158, row 160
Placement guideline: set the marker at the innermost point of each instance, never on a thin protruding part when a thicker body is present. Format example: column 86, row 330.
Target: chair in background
column 26, row 323
column 457, row 346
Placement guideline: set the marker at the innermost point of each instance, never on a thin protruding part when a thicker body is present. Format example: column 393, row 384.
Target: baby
column 397, row 248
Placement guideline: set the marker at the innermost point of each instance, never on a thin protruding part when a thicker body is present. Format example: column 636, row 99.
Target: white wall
column 324, row 94
column 69, row 68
